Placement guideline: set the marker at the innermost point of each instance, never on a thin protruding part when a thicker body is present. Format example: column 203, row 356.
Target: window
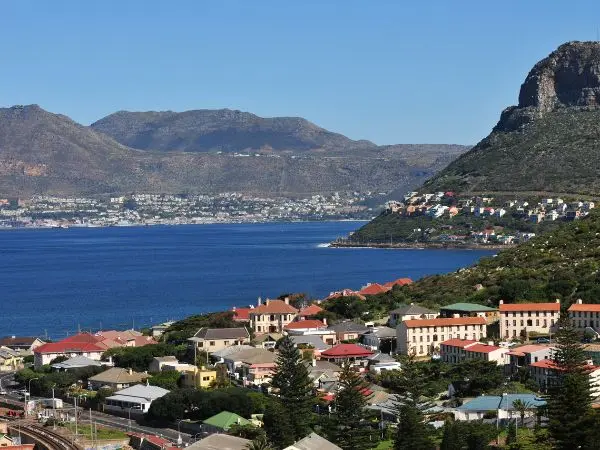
column 522, row 322
column 420, row 349
column 272, row 318
column 225, row 342
column 414, row 339
column 537, row 314
column 529, row 322
column 537, row 322
column 205, row 378
column 211, row 343
column 200, row 344
column 507, row 323
column 545, row 323
column 420, row 338
column 514, row 323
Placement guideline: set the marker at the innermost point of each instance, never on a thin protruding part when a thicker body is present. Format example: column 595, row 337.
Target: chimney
column 314, row 362
column 259, row 302
column 412, row 304
column 267, row 301
column 287, row 300
column 558, row 301
column 579, row 301
column 233, row 309
column 501, row 302
column 455, row 316
column 324, row 321
column 130, row 371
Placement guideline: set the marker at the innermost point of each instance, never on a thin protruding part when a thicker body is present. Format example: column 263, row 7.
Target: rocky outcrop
column 568, row 77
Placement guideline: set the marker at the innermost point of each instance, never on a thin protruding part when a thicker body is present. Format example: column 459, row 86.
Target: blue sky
column 389, row 71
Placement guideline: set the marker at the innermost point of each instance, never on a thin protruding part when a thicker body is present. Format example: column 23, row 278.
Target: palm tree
column 260, row 443
column 522, row 407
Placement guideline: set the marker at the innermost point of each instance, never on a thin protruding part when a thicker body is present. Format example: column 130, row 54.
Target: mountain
column 46, row 153
column 549, row 142
column 223, row 130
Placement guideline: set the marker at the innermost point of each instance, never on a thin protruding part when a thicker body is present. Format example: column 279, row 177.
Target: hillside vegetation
column 562, row 264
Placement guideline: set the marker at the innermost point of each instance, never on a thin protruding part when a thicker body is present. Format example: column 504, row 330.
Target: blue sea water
column 58, row 280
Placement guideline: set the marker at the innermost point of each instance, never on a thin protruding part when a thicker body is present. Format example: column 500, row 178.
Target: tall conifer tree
column 349, row 428
column 294, row 387
column 278, row 426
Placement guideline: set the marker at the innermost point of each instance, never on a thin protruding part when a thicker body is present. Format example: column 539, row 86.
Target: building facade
column 272, row 316
column 518, row 320
column 585, row 316
column 214, row 339
column 410, row 312
column 458, row 350
column 423, row 337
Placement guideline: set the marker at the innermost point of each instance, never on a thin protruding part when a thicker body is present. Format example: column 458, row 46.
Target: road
column 100, row 417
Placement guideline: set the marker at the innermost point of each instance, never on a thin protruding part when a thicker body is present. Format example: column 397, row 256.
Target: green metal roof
column 225, row 420
column 468, row 307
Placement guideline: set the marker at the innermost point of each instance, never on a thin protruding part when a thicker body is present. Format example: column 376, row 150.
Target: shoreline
column 422, row 246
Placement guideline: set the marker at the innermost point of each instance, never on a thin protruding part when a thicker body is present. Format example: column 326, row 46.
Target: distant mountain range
column 204, row 151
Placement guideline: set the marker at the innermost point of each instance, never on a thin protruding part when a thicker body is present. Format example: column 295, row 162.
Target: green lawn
column 102, row 432
column 385, row 445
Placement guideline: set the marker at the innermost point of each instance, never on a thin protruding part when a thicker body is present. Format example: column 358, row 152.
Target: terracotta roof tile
column 274, row 307
column 373, row 289
column 529, row 307
column 595, row 307
column 311, row 310
column 451, row 321
column 301, row 324
column 346, row 351
column 462, row 343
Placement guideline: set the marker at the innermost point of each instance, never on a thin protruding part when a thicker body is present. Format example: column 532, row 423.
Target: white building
column 545, row 373
column 423, row 337
column 519, row 319
column 585, row 315
column 457, row 350
column 135, row 399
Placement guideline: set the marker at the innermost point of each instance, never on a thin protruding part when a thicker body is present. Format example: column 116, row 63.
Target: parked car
column 542, row 341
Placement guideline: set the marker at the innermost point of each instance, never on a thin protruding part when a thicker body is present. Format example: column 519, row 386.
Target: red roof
column 346, row 351
column 544, row 364
column 274, row 307
column 301, row 324
column 398, row 282
column 451, row 321
column 585, row 307
column 311, row 310
column 482, row 348
column 63, row 347
column 241, row 314
column 462, row 343
column 373, row 289
column 345, row 293
column 524, row 349
column 529, row 306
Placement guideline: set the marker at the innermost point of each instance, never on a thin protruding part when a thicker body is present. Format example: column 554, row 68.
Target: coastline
column 421, row 245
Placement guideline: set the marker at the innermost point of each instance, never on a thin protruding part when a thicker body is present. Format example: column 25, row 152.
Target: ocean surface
column 57, row 281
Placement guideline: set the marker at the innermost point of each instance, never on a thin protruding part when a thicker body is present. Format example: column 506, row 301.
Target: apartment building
column 272, row 316
column 546, row 374
column 525, row 355
column 410, row 312
column 423, row 337
column 585, row 315
column 520, row 319
column 215, row 339
column 458, row 350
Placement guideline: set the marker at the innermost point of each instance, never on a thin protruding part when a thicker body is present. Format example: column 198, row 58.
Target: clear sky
column 415, row 71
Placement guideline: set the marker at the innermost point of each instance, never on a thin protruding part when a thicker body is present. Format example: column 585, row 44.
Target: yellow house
column 10, row 360
column 199, row 378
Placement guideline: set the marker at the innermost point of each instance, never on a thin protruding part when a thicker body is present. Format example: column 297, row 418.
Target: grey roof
column 220, row 442
column 381, row 357
column 348, row 326
column 118, row 375
column 327, row 366
column 313, row 340
column 382, row 332
column 411, row 309
column 313, row 442
column 77, row 362
column 221, row 333
column 141, row 391
column 230, row 350
column 165, row 359
column 254, row 356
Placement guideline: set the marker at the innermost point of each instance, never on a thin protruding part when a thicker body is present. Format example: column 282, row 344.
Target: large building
column 458, row 350
column 518, row 320
column 525, row 355
column 214, row 339
column 470, row 310
column 546, row 374
column 410, row 312
column 423, row 337
column 272, row 316
column 585, row 316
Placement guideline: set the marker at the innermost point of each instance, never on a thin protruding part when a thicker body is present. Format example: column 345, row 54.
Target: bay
column 56, row 281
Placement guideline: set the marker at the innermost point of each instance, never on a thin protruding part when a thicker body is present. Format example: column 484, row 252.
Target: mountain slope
column 219, row 130
column 562, row 264
column 45, row 153
column 549, row 142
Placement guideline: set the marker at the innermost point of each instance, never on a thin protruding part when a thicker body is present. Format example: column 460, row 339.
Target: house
column 519, row 319
column 344, row 293
column 159, row 330
column 525, row 355
column 254, row 365
column 380, row 362
column 8, row 442
column 345, row 352
column 313, row 442
column 220, row 441
column 214, row 339
column 378, row 337
column 134, row 400
column 116, row 378
column 348, row 330
column 373, row 289
column 310, row 311
column 83, row 344
column 458, row 350
column 304, row 326
column 398, row 282
column 272, row 316
column 410, row 312
column 127, row 338
column 222, row 422
column 21, row 343
column 77, row 362
column 157, row 363
column 199, row 378
column 585, row 316
column 241, row 314
column 546, row 374
column 502, row 406
column 423, row 337
column 470, row 310
column 219, row 356
column 310, row 341
column 10, row 360
column 267, row 340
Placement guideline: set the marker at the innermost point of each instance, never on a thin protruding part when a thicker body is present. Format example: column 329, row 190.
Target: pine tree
column 511, row 434
column 294, row 387
column 350, row 429
column 278, row 425
column 412, row 432
column 451, row 438
column 569, row 400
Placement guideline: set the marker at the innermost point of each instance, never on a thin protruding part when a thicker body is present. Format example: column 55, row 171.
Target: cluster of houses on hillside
column 447, row 205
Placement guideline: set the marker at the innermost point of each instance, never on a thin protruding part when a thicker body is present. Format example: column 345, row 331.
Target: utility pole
column 91, row 427
column 75, row 399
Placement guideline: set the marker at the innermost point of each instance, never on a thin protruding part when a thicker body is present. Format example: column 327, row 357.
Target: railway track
column 45, row 437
